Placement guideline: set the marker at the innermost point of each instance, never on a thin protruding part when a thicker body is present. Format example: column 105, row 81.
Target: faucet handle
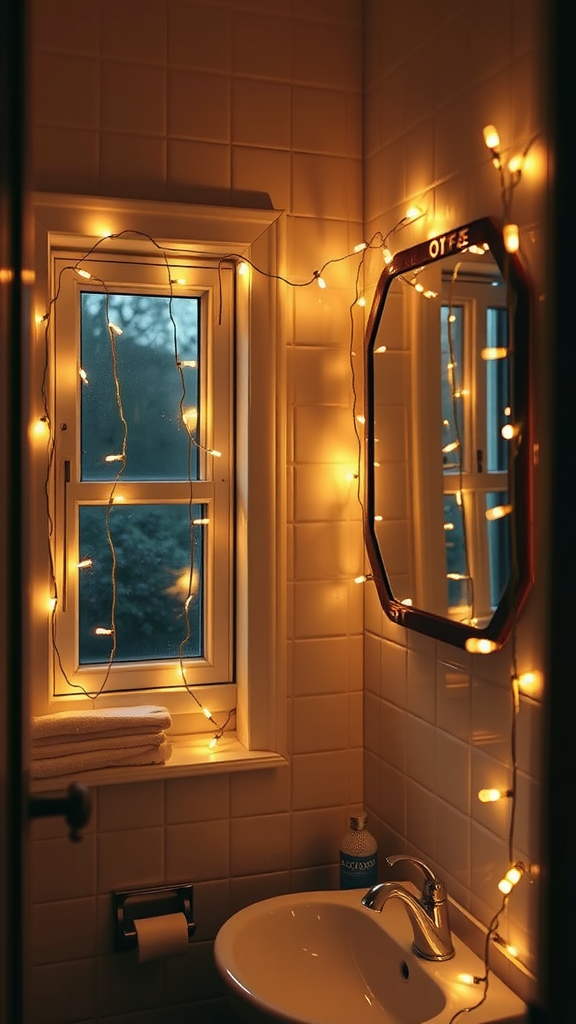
column 420, row 874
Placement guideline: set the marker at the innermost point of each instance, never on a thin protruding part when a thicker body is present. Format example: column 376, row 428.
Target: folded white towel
column 67, row 725
column 56, row 747
column 72, row 764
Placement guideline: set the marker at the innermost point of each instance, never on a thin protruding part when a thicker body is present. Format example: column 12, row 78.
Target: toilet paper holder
column 134, row 904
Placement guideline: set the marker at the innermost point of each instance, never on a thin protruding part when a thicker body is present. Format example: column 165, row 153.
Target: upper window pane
column 158, row 333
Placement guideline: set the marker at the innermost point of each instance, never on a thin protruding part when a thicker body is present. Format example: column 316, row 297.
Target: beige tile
column 203, row 798
column 61, row 870
column 453, row 771
column 326, row 121
column 198, row 163
column 491, row 721
column 199, row 35
column 325, row 492
column 197, row 853
column 454, row 701
column 199, row 106
column 328, row 55
column 125, row 986
column 139, row 160
column 262, row 792
column 133, row 98
column 328, row 550
column 135, row 805
column 316, row 836
column 62, row 931
column 131, row 859
column 66, row 159
column 261, row 46
column 322, row 376
column 266, row 170
column 326, row 609
column 211, row 908
column 326, row 665
column 319, row 780
column 393, row 731
column 421, row 693
column 245, row 891
column 134, row 30
column 259, row 844
column 421, row 818
column 319, row 723
column 392, row 799
column 453, row 846
column 326, row 186
column 54, row 101
column 394, row 668
column 56, row 26
column 488, row 864
column 196, row 972
column 372, row 723
column 63, row 993
column 261, row 114
column 326, row 435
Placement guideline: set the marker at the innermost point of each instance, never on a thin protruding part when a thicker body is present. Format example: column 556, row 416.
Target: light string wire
column 377, row 241
column 492, row 930
column 191, row 440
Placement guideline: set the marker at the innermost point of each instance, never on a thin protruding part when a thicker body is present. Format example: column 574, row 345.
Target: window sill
column 190, row 756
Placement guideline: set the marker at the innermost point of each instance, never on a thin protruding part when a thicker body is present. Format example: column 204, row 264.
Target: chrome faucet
column 428, row 915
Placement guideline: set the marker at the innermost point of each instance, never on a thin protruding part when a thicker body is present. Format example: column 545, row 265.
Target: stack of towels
column 77, row 741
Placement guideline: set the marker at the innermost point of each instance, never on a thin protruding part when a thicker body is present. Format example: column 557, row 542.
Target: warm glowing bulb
column 387, row 256
column 190, row 418
column 511, row 237
column 361, row 419
column 414, row 211
column 528, row 682
column 84, row 564
column 479, row 645
column 489, row 796
column 419, row 287
column 381, row 348
column 114, row 458
column 498, row 512
column 214, row 453
column 40, row 428
column 200, row 522
column 466, row 979
column 429, row 294
column 83, row 375
column 321, row 281
column 516, row 163
column 407, row 601
column 83, row 273
column 213, row 743
column 102, row 631
column 491, row 137
column 448, row 526
column 505, row 886
column 242, row 267
column 451, row 447
column 509, row 431
column 514, row 874
column 494, row 353
column 206, row 713
column 361, row 301
column 178, row 280
column 360, row 579
column 378, row 519
column 361, row 246
column 114, row 328
column 52, row 602
column 191, row 363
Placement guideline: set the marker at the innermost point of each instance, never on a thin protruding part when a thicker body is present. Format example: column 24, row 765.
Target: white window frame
column 259, row 689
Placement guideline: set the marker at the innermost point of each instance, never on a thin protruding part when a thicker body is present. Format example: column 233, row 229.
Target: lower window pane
column 159, row 563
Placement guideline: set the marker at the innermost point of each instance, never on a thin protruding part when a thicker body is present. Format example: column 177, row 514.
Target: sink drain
column 404, row 970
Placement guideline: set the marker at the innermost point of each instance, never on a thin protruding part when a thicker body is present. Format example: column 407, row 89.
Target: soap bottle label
column 358, row 872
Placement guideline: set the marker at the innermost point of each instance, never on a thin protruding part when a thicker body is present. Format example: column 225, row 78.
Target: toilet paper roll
column 161, row 936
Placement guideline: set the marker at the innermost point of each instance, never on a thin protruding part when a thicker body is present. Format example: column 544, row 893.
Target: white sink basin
column 323, row 958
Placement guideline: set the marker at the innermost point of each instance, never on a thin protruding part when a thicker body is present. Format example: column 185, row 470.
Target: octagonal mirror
column 448, row 449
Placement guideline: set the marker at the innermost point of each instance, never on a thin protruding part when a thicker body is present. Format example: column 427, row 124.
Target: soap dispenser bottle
column 358, row 856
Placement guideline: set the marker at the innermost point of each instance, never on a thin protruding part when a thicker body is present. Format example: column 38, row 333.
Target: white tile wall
column 443, row 717
column 265, row 95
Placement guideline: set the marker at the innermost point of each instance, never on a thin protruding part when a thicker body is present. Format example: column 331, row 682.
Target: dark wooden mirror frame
column 478, row 232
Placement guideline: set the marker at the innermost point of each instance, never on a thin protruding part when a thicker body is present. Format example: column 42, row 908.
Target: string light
column 493, row 353
column 84, row 274
column 115, row 329
column 511, row 237
column 497, row 512
column 480, row 645
column 491, row 796
column 509, row 431
column 84, row 564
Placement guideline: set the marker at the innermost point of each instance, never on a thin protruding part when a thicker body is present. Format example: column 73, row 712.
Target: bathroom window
column 143, row 473
column 155, row 511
